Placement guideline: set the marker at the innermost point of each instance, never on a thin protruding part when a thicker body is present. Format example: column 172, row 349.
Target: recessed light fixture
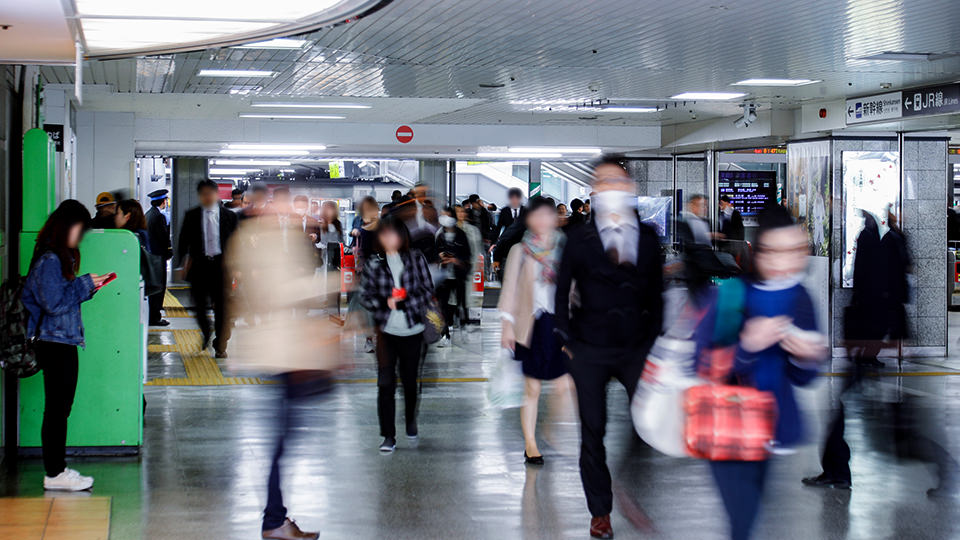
column 627, row 109
column 306, row 105
column 511, row 155
column 238, row 73
column 706, row 96
column 264, row 162
column 232, row 171
column 279, row 43
column 775, row 82
column 553, row 150
column 276, row 146
column 491, row 85
column 291, row 152
column 293, row 116
column 902, row 56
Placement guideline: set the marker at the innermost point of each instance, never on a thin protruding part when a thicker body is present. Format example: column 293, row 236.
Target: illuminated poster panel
column 871, row 184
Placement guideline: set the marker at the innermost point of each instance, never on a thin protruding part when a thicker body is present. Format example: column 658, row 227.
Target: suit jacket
column 459, row 248
column 158, row 233
column 620, row 305
column 732, row 227
column 505, row 219
column 190, row 241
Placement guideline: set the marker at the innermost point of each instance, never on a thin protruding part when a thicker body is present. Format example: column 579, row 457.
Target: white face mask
column 728, row 211
column 447, row 221
column 613, row 202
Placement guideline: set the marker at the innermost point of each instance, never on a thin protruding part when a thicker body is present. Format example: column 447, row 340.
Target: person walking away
column 52, row 294
column 106, row 207
column 475, row 241
column 576, row 215
column 616, row 263
column 158, row 234
column 203, row 238
column 454, row 250
column 397, row 288
column 331, row 234
column 526, row 307
column 778, row 347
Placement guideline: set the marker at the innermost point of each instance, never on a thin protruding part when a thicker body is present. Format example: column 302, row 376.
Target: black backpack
column 17, row 355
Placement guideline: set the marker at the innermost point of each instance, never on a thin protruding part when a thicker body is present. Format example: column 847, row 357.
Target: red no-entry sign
column 404, row 134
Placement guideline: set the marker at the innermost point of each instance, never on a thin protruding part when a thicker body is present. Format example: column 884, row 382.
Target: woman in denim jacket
column 53, row 294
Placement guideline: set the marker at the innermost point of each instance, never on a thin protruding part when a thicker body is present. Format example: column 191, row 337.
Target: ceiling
column 628, row 51
column 36, row 32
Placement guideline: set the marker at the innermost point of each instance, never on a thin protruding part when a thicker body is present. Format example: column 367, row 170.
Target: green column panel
column 108, row 410
column 39, row 179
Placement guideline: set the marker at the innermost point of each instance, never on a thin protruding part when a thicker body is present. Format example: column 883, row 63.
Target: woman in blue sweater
column 52, row 294
column 778, row 346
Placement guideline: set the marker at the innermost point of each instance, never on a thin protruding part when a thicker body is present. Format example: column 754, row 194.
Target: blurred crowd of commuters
column 582, row 302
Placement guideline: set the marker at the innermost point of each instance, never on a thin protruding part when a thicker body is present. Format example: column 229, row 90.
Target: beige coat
column 516, row 293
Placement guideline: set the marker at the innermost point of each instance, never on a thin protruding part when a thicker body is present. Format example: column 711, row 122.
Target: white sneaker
column 444, row 342
column 68, row 480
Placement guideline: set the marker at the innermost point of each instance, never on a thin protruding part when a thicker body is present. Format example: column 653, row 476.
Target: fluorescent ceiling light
column 239, row 162
column 546, row 101
column 627, row 109
column 246, row 73
column 899, row 55
column 511, row 155
column 279, row 43
column 288, row 170
column 708, row 95
column 272, row 11
column 293, row 116
column 775, row 82
column 232, row 171
column 140, row 33
column 306, row 105
column 553, row 150
column 290, row 146
column 234, row 152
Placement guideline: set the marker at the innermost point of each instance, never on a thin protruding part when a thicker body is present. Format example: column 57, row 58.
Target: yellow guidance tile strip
column 173, row 308
column 201, row 368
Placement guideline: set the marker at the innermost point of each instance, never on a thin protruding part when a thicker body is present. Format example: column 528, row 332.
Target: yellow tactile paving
column 173, row 308
column 201, row 368
column 55, row 518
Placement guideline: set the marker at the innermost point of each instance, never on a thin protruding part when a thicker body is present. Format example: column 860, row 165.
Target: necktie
column 515, row 212
column 210, row 241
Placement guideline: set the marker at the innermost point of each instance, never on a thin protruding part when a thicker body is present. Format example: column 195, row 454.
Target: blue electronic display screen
column 749, row 191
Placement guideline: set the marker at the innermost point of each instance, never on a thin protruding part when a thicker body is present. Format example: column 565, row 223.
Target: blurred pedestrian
column 158, row 231
column 576, row 214
column 106, row 207
column 52, row 294
column 731, row 220
column 778, row 347
column 454, row 250
column 397, row 288
column 615, row 263
column 236, row 200
column 527, row 307
column 130, row 216
column 203, row 238
column 512, row 212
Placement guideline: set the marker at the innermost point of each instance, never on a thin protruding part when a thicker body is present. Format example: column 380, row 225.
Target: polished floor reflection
column 203, row 468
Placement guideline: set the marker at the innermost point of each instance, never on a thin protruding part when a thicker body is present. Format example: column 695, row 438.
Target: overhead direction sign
column 873, row 108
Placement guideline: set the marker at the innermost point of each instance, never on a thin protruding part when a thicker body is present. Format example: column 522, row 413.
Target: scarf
column 545, row 251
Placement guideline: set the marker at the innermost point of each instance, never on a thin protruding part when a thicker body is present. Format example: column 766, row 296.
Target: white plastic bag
column 506, row 386
column 657, row 407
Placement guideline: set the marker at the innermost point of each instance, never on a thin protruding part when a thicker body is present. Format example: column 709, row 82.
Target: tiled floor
column 203, row 468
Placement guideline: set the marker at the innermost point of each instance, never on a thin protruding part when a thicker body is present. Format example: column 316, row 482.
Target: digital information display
column 749, row 191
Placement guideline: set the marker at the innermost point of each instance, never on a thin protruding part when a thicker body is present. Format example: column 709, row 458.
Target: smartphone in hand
column 110, row 277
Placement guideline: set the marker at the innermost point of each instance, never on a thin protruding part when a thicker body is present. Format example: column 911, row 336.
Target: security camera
column 749, row 116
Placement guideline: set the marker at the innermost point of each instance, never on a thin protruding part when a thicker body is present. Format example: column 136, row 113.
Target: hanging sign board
column 55, row 131
column 872, row 108
column 942, row 99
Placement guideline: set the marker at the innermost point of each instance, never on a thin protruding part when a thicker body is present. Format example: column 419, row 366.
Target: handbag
column 153, row 270
column 433, row 322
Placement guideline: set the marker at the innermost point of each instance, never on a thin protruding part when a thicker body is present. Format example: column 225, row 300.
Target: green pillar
column 535, row 181
column 39, row 179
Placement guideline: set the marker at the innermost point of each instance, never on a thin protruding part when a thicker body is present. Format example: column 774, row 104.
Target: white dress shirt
column 211, row 231
column 622, row 234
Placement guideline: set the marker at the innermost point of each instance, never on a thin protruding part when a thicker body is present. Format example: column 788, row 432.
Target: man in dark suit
column 617, row 265
column 203, row 239
column 512, row 212
column 731, row 221
column 158, row 234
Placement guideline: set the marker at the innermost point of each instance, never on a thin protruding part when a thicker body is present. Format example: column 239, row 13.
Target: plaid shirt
column 377, row 287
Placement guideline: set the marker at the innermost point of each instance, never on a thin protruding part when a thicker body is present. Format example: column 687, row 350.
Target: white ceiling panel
column 623, row 50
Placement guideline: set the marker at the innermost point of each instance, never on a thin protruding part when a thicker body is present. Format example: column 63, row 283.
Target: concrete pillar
column 535, row 180
column 187, row 172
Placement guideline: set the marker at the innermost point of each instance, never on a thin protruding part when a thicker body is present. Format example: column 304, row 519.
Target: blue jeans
column 741, row 485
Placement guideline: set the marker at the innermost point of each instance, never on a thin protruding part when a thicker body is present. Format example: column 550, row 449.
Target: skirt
column 543, row 359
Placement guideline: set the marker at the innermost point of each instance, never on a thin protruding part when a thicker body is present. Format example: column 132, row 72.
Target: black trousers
column 206, row 288
column 155, row 302
column 741, row 486
column 456, row 286
column 394, row 351
column 60, row 368
column 592, row 368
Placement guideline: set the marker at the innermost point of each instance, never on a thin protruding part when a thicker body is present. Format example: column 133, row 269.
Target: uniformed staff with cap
column 158, row 232
column 106, row 208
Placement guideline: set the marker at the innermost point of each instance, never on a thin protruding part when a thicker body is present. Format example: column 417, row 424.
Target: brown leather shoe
column 600, row 527
column 289, row 531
